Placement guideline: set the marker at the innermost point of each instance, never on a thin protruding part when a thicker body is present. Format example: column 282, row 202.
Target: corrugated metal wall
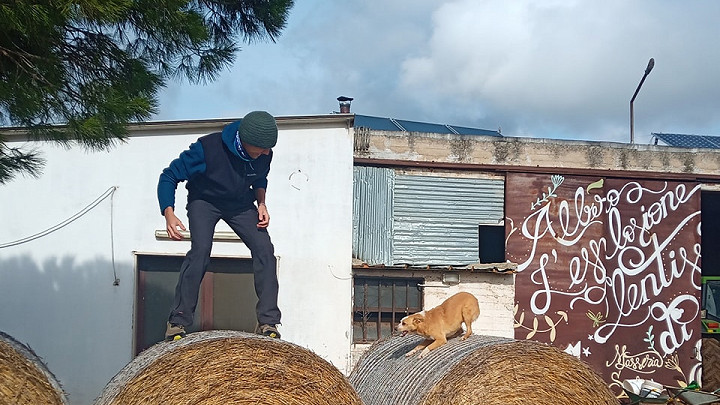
column 372, row 214
column 419, row 220
column 435, row 219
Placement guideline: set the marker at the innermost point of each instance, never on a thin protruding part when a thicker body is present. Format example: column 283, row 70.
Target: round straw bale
column 24, row 378
column 228, row 367
column 480, row 370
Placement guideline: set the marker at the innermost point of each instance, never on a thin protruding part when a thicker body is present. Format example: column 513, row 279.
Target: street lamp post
column 649, row 67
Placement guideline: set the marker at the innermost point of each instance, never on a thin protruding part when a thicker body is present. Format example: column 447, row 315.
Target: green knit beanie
column 258, row 128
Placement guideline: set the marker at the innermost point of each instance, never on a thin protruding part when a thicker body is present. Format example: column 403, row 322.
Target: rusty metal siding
column 372, row 214
column 609, row 271
column 435, row 219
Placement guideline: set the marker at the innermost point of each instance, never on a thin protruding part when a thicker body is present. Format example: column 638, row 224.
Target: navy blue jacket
column 215, row 172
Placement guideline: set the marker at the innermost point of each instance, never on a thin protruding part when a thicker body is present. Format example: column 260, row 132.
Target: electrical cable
column 116, row 280
column 66, row 222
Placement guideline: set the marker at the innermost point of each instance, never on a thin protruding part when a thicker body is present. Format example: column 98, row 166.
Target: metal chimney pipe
column 344, row 104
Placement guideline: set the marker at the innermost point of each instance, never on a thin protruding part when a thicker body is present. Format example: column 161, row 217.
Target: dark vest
column 227, row 178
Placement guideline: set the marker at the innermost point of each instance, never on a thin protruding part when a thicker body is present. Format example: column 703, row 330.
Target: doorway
column 227, row 297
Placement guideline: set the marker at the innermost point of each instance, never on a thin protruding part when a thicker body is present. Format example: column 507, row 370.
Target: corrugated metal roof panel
column 391, row 124
column 380, row 124
column 414, row 126
column 474, row 131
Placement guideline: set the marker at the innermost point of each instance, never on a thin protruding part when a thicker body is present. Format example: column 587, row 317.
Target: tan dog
column 441, row 322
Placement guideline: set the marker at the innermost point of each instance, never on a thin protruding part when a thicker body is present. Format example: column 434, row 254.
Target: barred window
column 380, row 303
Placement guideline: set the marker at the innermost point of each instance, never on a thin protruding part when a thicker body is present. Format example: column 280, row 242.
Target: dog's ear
column 418, row 320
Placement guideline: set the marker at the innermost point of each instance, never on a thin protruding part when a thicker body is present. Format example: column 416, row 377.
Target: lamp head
column 650, row 66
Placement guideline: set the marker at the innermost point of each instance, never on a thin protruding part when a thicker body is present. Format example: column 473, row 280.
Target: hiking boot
column 268, row 330
column 174, row 332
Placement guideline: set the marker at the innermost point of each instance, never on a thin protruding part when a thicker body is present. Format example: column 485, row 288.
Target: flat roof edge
column 282, row 121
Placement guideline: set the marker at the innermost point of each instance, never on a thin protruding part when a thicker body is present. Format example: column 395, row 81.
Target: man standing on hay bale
column 226, row 174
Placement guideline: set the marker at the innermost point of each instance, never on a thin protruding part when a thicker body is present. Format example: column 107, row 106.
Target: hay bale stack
column 480, row 370
column 228, row 367
column 24, row 378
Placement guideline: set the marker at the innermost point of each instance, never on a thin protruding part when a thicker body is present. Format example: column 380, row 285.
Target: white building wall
column 495, row 294
column 57, row 293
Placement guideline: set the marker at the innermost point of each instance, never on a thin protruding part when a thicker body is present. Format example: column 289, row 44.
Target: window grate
column 380, row 303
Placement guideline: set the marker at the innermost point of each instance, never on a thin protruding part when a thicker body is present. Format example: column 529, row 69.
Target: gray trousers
column 202, row 217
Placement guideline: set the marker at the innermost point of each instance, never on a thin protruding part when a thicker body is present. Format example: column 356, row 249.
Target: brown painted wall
column 608, row 270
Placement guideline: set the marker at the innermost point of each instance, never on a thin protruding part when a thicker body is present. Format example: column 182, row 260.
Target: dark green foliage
column 77, row 72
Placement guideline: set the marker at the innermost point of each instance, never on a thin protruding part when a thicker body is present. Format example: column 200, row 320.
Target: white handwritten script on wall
column 603, row 262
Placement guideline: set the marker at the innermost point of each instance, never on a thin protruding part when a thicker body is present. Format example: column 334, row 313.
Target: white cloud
column 569, row 68
column 560, row 68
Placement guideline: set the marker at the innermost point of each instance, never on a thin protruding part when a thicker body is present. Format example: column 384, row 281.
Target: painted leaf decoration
column 535, row 327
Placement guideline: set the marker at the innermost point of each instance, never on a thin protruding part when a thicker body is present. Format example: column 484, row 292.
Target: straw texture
column 228, row 367
column 24, row 378
column 480, row 370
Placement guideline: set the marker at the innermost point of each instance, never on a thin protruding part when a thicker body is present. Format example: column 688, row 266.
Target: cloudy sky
column 546, row 68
